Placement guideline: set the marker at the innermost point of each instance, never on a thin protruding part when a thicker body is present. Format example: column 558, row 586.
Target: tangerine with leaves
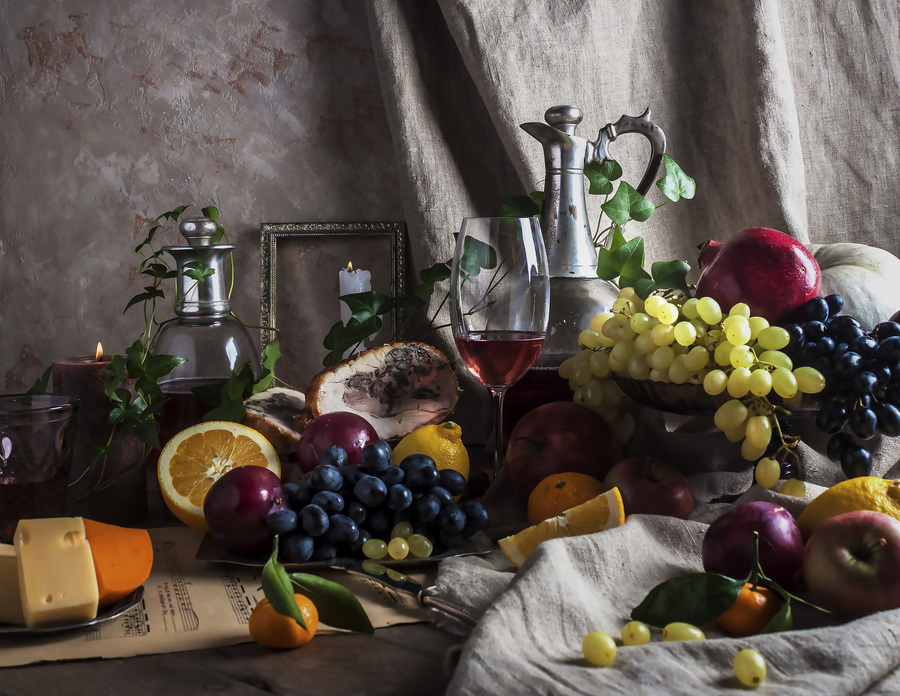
column 754, row 607
column 274, row 630
column 560, row 492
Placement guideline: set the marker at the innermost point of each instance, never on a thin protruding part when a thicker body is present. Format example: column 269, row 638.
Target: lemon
column 602, row 512
column 440, row 441
column 861, row 493
column 196, row 457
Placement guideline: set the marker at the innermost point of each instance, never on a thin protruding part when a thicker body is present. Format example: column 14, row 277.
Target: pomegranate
column 770, row 271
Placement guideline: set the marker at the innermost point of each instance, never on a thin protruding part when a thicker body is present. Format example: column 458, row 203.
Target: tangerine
column 274, row 630
column 560, row 492
column 752, row 610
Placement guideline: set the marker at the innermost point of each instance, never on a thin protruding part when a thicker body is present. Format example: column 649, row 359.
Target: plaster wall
column 114, row 112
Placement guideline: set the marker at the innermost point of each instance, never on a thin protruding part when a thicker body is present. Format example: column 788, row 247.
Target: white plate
column 107, row 613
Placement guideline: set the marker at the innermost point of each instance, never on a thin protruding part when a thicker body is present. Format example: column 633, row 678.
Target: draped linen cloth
column 786, row 115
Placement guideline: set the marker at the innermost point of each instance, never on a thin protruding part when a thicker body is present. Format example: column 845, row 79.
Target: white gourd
column 868, row 278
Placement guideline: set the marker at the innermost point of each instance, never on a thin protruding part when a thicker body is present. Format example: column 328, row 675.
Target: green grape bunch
column 674, row 339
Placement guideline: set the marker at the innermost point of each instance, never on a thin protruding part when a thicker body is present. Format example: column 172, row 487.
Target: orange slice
column 603, row 512
column 197, row 456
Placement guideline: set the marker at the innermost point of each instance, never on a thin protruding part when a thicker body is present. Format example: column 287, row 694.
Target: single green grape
column 809, row 380
column 739, row 382
column 709, row 310
column 640, row 322
column 652, row 304
column 398, row 548
column 635, row 633
column 401, row 530
column 760, row 382
column 667, row 313
column 749, row 667
column 420, row 545
column 598, row 320
column 685, row 333
column 737, row 333
column 767, row 472
column 598, row 648
column 757, row 324
column 715, row 382
column 742, row 356
column 759, row 431
column 662, row 358
column 751, row 452
column 776, row 358
column 582, row 373
column 730, row 415
column 643, row 343
column 590, row 338
column 784, row 383
column 638, row 367
column 678, row 372
column 663, row 334
column 697, row 358
column 623, row 306
column 599, row 363
column 741, row 309
column 734, row 319
column 793, row 487
column 689, row 308
column 375, row 549
column 737, row 433
column 591, row 393
column 773, row 338
column 622, row 350
column 679, row 630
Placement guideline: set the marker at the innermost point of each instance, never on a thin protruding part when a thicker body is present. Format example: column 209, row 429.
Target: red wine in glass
column 499, row 358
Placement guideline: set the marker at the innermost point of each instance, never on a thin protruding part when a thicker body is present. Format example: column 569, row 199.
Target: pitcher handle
column 633, row 124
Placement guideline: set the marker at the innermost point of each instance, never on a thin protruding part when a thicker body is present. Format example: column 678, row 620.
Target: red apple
column 237, row 505
column 650, row 486
column 555, row 438
column 851, row 563
column 349, row 431
column 728, row 543
column 771, row 271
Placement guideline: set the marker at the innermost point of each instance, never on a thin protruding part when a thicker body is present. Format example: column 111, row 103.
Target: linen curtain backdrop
column 787, row 115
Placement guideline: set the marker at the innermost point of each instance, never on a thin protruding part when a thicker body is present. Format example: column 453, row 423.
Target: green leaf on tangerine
column 676, row 184
column 278, row 588
column 696, row 598
column 337, row 606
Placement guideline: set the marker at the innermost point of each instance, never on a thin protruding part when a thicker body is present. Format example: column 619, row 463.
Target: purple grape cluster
column 862, row 378
column 337, row 508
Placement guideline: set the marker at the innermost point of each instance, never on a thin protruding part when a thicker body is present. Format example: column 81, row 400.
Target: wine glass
column 499, row 304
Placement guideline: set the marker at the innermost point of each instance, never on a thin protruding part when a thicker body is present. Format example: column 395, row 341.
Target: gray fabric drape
column 785, row 114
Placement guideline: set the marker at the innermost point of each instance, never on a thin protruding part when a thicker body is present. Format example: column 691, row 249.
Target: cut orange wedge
column 603, row 512
column 197, row 456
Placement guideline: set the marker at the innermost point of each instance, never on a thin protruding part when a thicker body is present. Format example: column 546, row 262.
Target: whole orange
column 274, row 630
column 560, row 492
column 752, row 610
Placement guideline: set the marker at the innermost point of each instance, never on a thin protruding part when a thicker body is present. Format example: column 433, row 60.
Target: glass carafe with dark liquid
column 576, row 293
column 212, row 342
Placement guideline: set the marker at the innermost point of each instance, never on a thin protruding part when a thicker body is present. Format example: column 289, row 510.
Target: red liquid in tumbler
column 31, row 500
column 499, row 358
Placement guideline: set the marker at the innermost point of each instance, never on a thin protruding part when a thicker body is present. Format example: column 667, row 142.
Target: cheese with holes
column 10, row 604
column 57, row 582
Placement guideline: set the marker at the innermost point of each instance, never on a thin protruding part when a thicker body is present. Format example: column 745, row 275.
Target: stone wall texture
column 114, row 112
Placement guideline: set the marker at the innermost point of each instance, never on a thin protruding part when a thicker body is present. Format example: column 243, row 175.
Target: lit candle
column 352, row 281
column 84, row 378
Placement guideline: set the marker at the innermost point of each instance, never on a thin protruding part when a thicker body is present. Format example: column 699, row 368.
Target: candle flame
column 99, row 353
column 350, row 266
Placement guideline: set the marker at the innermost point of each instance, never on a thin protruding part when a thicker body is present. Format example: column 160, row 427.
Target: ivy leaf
column 197, row 271
column 364, row 305
column 337, row 606
column 150, row 292
column 278, row 589
column 146, row 431
column 618, row 238
column 40, row 384
column 519, row 206
column 271, row 355
column 157, row 366
column 340, row 338
column 210, row 211
column 627, row 260
column 410, row 304
column 477, row 256
column 676, row 184
column 671, row 274
column 696, row 598
column 601, row 175
column 782, row 621
column 627, row 205
column 431, row 275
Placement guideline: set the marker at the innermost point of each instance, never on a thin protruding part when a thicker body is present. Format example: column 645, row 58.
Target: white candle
column 352, row 281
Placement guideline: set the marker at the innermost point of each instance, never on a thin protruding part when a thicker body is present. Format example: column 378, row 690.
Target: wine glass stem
column 497, row 394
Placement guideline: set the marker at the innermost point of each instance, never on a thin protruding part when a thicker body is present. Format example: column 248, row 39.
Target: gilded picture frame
column 299, row 286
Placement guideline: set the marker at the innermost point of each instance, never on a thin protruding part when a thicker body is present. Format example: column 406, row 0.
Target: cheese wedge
column 123, row 558
column 10, row 603
column 57, row 582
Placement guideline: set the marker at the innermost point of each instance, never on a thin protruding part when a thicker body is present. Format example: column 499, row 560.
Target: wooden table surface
column 406, row 659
